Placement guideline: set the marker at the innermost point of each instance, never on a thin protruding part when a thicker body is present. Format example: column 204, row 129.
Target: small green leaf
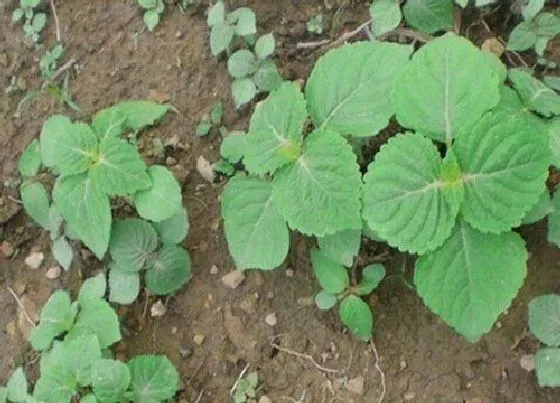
column 62, row 252
column 153, row 378
column 267, row 78
column 17, row 15
column 385, row 16
column 163, row 199
column 36, row 202
column 547, row 366
column 174, row 230
column 110, row 380
column 357, row 316
column 96, row 317
column 547, row 25
column 123, row 286
column 371, row 277
column 253, row 380
column 341, row 246
column 220, row 37
column 30, row 160
column 39, row 22
column 246, row 21
column 54, row 128
column 522, row 37
column 535, row 94
column 242, row 64
column 90, row 398
column 265, row 46
column 243, row 91
column 429, row 15
column 57, row 316
column 93, row 288
column 532, row 8
column 132, row 242
column 332, row 276
column 203, row 128
column 169, row 270
column 539, row 210
column 216, row 14
column 552, row 82
column 325, row 300
column 17, row 386
column 217, row 113
column 544, row 319
column 139, row 114
column 233, row 147
column 108, row 123
column 554, row 219
column 76, row 149
column 149, row 4
column 151, row 19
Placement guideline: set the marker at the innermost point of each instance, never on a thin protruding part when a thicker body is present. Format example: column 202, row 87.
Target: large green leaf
column 36, row 202
column 448, row 84
column 407, row 199
column 30, row 160
column 153, row 378
column 347, row 90
column 119, row 169
column 319, row 193
column 161, row 201
column 544, row 319
column 385, row 16
column 332, row 276
column 86, row 209
column 547, row 365
column 256, row 233
column 504, row 160
column 472, row 278
column 139, row 114
column 96, row 317
column 554, row 219
column 54, row 127
column 110, row 380
column 554, row 140
column 341, row 246
column 275, row 132
column 174, row 230
column 534, row 93
column 76, row 150
column 57, row 316
column 430, row 15
column 168, row 270
column 123, row 287
column 357, row 316
column 132, row 242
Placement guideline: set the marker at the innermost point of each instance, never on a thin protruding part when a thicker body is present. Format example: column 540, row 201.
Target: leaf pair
column 224, row 26
column 153, row 10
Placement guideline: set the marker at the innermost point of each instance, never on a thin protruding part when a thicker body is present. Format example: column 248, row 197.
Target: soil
column 415, row 356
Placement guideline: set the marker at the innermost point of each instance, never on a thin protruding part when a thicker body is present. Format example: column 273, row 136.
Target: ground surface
column 422, row 359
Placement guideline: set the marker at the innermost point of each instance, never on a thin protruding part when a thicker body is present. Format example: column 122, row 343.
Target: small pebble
column 233, row 279
column 34, row 260
column 173, row 330
column 198, row 339
column 158, row 309
column 409, row 396
column 527, row 362
column 53, row 272
column 7, row 249
column 170, row 161
column 271, row 319
column 214, row 269
column 265, row 399
column 270, row 294
column 289, row 273
column 205, row 169
column 403, row 365
column 356, row 385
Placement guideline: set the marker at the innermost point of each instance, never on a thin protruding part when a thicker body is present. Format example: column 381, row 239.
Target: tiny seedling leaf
column 385, row 16
column 242, row 63
column 17, row 386
column 535, row 94
column 243, row 91
column 30, row 160
column 332, row 276
column 139, row 114
column 152, row 378
column 36, row 202
column 371, row 277
column 325, row 300
column 267, row 78
column 357, row 316
column 265, row 46
column 174, row 230
column 532, row 8
column 123, row 287
column 132, row 242
column 216, row 14
column 53, row 129
column 39, row 21
column 62, row 252
column 547, row 366
column 151, row 19
column 163, row 200
column 544, row 319
column 220, row 37
column 168, row 270
column 110, row 380
column 246, row 21
column 233, row 147
column 341, row 246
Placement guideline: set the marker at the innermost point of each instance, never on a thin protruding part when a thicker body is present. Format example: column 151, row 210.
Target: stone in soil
column 205, row 169
column 158, row 309
column 233, row 279
column 271, row 319
column 53, row 272
column 198, row 339
column 356, row 385
column 7, row 249
column 214, row 269
column 527, row 362
column 34, row 260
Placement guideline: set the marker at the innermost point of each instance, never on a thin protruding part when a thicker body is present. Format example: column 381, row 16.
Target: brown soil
column 420, row 357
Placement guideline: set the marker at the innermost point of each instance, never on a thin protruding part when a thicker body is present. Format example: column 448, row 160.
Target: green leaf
column 242, row 63
column 119, row 169
column 62, row 252
column 319, row 193
column 216, row 14
column 509, row 102
column 522, row 37
column 147, row 3
column 472, row 278
column 139, row 114
column 371, row 277
column 163, row 200
column 267, row 78
column 110, row 380
column 76, row 150
column 90, row 398
column 54, row 128
column 552, row 82
column 151, row 19
column 325, row 300
column 203, row 128
column 168, row 270
column 554, row 219
column 385, row 16
column 243, row 91
column 547, row 366
column 86, row 209
column 132, row 242
column 332, row 276
column 544, row 319
column 57, row 316
column 539, row 210
column 55, row 389
column 532, row 8
column 174, row 230
column 265, row 46
column 256, row 233
column 535, row 94
column 504, row 161
column 246, row 21
column 220, row 37
column 217, row 113
column 409, row 204
column 17, row 386
column 30, row 160
column 93, row 288
column 3, row 394
column 462, row 3
column 554, row 140
column 36, row 202
column 233, row 147
column 17, row 15
column 153, row 378
column 97, row 318
column 108, row 123
column 547, row 25
column 439, row 91
column 345, row 97
column 123, row 287
column 357, row 316
column 430, row 15
column 39, row 21
column 275, row 132
column 341, row 246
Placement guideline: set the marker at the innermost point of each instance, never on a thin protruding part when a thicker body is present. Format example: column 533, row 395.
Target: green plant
column 49, row 60
column 544, row 323
column 33, row 22
column 224, row 27
column 315, row 24
column 92, row 163
column 214, row 119
column 154, row 9
column 246, row 388
column 74, row 338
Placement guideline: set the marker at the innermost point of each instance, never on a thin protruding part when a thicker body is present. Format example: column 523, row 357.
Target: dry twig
column 381, row 373
column 21, row 306
column 241, row 375
column 307, row 357
column 56, row 23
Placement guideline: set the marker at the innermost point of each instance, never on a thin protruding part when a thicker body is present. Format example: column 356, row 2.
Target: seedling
column 246, row 388
column 224, row 27
column 214, row 119
column 544, row 323
column 315, row 24
column 33, row 21
column 152, row 15
column 49, row 61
